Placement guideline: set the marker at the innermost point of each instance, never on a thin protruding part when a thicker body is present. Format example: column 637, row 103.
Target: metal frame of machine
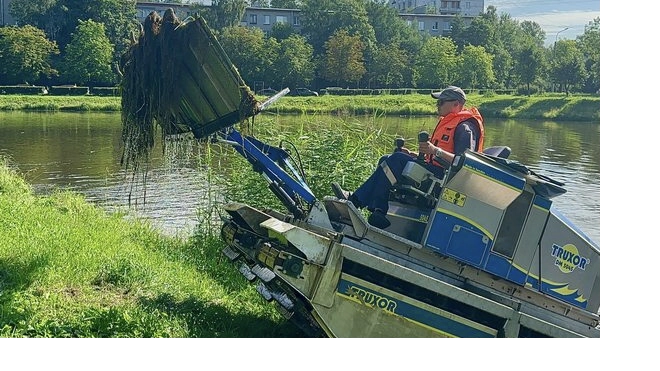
column 491, row 258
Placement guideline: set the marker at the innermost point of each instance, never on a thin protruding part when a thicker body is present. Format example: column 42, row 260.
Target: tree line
column 344, row 43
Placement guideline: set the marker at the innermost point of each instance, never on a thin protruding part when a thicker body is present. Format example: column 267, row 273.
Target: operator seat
column 420, row 187
column 412, row 200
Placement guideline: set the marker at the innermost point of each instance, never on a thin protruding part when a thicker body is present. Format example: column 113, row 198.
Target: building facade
column 430, row 16
column 5, row 17
column 468, row 9
column 265, row 18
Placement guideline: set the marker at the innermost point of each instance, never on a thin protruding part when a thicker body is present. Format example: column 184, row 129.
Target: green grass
column 549, row 106
column 68, row 269
column 59, row 103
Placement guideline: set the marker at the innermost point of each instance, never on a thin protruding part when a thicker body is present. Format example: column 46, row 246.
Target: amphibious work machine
column 480, row 252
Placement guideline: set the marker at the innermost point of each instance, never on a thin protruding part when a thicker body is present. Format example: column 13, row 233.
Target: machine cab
column 497, row 215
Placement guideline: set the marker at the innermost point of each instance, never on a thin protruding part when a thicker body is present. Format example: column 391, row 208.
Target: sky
column 552, row 15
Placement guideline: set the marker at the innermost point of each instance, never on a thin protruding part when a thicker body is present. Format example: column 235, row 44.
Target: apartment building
column 5, row 17
column 265, row 18
column 468, row 9
column 434, row 16
column 430, row 16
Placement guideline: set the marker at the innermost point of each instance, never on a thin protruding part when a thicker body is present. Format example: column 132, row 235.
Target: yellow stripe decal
column 445, row 334
column 467, row 220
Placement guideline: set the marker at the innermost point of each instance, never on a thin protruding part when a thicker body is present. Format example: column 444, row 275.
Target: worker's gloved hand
column 427, row 148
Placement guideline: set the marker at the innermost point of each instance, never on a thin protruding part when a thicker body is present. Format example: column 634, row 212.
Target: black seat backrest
column 498, row 151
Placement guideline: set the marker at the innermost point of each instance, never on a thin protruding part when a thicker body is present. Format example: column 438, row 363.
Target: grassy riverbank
column 68, row 269
column 557, row 107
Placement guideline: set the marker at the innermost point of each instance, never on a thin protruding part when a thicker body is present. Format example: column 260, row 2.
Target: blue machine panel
column 458, row 238
column 503, row 267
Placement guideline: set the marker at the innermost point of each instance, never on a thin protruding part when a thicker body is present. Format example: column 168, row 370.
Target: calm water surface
column 82, row 152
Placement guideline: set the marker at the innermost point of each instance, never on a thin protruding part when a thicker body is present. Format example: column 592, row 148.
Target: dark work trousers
column 374, row 192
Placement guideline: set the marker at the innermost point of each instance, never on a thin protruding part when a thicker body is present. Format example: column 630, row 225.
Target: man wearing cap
column 457, row 130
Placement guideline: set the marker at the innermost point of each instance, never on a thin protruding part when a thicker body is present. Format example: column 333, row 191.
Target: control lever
column 423, row 136
column 398, row 144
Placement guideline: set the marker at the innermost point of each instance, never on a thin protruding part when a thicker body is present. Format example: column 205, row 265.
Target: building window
column 447, row 26
column 467, row 5
column 420, row 26
column 296, row 20
column 435, row 26
column 253, row 19
column 266, row 19
column 280, row 19
column 409, row 23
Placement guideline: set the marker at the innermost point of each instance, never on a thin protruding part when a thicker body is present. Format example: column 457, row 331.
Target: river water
column 82, row 152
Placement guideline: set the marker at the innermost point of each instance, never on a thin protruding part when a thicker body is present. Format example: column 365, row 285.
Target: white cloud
column 554, row 22
column 552, row 15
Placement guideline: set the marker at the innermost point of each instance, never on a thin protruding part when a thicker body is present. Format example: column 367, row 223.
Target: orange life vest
column 443, row 135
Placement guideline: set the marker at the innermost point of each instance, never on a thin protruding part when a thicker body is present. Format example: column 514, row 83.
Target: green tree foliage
column 25, row 54
column 437, row 64
column 224, row 13
column 260, row 3
column 88, row 57
column 533, row 30
column 567, row 67
column 459, row 31
column 531, row 64
column 475, row 67
column 503, row 66
column 293, row 65
column 39, row 13
column 323, row 18
column 483, row 30
column 59, row 18
column 389, row 28
column 508, row 33
column 509, row 37
column 344, row 59
column 589, row 45
column 281, row 31
column 285, row 4
column 249, row 51
column 389, row 68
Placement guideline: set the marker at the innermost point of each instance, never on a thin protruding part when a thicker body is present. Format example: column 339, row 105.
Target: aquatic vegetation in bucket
column 176, row 76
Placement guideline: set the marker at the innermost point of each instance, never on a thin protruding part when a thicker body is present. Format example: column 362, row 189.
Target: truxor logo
column 372, row 299
column 567, row 258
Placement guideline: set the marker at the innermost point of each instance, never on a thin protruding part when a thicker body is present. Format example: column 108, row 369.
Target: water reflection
column 81, row 151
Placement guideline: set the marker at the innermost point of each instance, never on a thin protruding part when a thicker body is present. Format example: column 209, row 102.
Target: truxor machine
column 481, row 252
